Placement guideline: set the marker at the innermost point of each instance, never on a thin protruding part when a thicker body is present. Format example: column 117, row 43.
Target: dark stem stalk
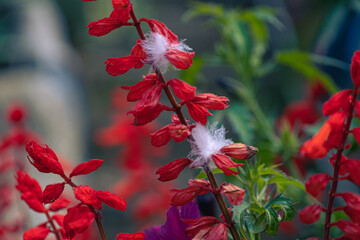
column 92, row 209
column 55, row 231
column 337, row 163
column 177, row 109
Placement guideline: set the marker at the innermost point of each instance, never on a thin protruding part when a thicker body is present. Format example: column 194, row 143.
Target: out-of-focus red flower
column 16, row 113
column 353, row 166
column 44, row 159
column 310, row 214
column 338, row 101
column 208, row 228
column 77, row 220
column 130, row 236
column 233, row 193
column 195, row 188
column 118, row 17
column 317, row 183
column 350, row 229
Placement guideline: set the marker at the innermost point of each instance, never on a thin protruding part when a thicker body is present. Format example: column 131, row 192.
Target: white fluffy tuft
column 206, row 141
column 156, row 46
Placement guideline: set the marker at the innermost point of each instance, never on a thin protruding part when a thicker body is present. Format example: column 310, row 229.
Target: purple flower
column 174, row 228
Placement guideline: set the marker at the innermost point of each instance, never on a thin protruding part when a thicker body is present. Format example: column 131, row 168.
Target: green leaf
column 281, row 181
column 239, row 118
column 204, row 9
column 304, row 63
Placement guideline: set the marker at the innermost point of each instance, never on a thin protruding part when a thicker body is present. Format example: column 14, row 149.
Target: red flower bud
column 211, row 101
column 172, row 170
column 310, row 214
column 317, row 183
column 233, row 193
column 239, row 151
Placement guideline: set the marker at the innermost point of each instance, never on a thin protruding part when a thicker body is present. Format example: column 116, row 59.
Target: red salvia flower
column 36, row 233
column 112, row 200
column 86, row 167
column 233, row 193
column 172, row 170
column 77, row 220
column 208, row 228
column 44, row 159
column 52, row 192
column 87, row 195
column 317, row 183
column 355, row 69
column 138, row 90
column 353, row 166
column 350, row 229
column 310, row 214
column 195, row 188
column 59, row 204
column 148, row 114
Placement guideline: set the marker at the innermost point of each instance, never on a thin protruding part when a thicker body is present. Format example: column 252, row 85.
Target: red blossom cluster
column 160, row 49
column 78, row 217
column 341, row 108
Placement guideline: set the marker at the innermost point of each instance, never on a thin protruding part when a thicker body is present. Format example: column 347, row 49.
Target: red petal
column 182, row 89
column 160, row 137
column 336, row 102
column 233, row 193
column 218, row 232
column 150, row 98
column 179, row 132
column 183, row 196
column 138, row 90
column 317, row 183
column 87, row 195
column 77, row 220
column 33, row 201
column 133, row 236
column 27, row 184
column 350, row 229
column 180, row 59
column 103, row 26
column 353, row 167
column 148, row 114
column 59, row 219
column 61, row 203
column 138, row 51
column 198, row 224
column 356, row 133
column 36, row 233
column 315, row 147
column 120, row 65
column 172, row 170
column 198, row 112
column 355, row 68
column 224, row 163
column 211, row 101
column 52, row 192
column 343, row 169
column 112, row 200
column 86, row 167
column 310, row 214
column 159, row 27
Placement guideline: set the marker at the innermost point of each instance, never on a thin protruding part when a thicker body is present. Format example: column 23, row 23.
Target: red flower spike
column 200, row 226
column 198, row 113
column 225, row 163
column 120, row 65
column 355, row 68
column 337, row 101
column 52, row 192
column 317, row 183
column 239, row 151
column 233, row 193
column 349, row 229
column 172, row 170
column 353, row 166
column 36, row 233
column 131, row 236
column 59, row 204
column 160, row 28
column 138, row 90
column 86, row 167
column 182, row 89
column 211, row 101
column 310, row 214
column 180, row 59
column 112, row 200
column 77, row 220
column 44, row 159
column 87, row 195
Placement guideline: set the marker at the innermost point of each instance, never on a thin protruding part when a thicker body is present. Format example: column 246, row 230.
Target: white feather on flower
column 207, row 140
column 156, row 45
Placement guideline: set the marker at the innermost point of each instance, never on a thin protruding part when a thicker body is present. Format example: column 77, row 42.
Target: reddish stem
column 177, row 109
column 337, row 163
column 92, row 209
column 55, row 231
